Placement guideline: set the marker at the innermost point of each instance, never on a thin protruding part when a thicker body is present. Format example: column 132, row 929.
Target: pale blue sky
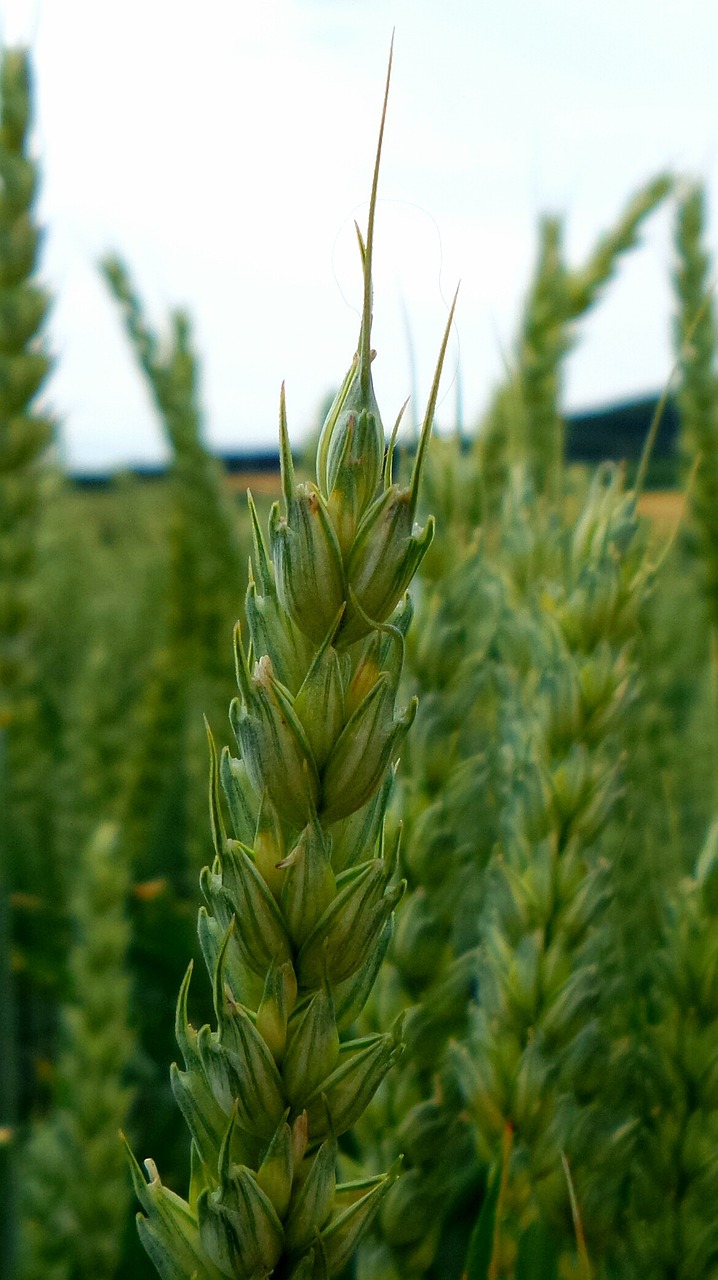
column 223, row 148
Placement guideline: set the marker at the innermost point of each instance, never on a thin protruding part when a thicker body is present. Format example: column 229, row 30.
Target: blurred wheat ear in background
column 24, row 437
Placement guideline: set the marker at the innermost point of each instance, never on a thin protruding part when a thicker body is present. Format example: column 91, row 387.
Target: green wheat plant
column 524, row 422
column 25, row 433
column 188, row 675
column 184, row 676
column 300, row 897
column 559, row 297
column 210, row 551
column 544, row 342
column 444, row 798
column 507, row 652
column 526, row 1061
column 75, row 1193
column 669, row 1226
column 24, row 437
column 695, row 340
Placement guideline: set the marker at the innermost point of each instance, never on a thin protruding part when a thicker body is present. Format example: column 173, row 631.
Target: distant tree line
column 615, row 433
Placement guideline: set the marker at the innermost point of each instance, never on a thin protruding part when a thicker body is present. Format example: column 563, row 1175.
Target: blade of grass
column 585, row 1272
column 483, row 1253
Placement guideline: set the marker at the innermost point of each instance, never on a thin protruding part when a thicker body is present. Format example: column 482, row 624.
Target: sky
column 224, row 149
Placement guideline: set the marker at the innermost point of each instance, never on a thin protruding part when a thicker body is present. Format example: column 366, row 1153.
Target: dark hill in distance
column 616, row 433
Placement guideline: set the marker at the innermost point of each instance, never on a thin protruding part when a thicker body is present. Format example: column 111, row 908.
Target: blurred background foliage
column 555, row 955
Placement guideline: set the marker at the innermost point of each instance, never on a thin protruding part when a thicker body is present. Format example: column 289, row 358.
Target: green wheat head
column 670, row 1224
column 188, row 673
column 529, row 1064
column 695, row 339
column 75, row 1196
column 446, row 803
column 300, row 898
column 24, row 436
column 524, row 422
